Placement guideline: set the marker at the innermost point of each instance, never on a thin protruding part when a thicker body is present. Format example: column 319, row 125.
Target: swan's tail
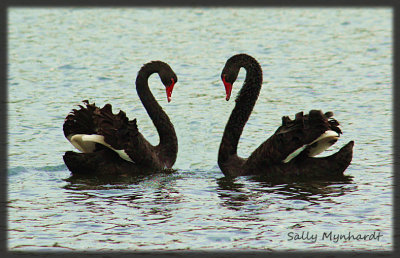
column 327, row 167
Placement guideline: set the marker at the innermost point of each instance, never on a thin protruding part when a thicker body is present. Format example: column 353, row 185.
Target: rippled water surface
column 329, row 59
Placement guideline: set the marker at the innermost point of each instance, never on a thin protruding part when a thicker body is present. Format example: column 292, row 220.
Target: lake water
column 337, row 59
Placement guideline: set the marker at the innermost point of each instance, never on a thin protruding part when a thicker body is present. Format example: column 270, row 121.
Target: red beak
column 169, row 90
column 228, row 88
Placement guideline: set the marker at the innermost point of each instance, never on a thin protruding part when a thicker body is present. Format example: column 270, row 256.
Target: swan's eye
column 172, row 81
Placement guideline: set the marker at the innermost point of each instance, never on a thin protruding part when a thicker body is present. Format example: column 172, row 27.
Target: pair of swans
column 112, row 144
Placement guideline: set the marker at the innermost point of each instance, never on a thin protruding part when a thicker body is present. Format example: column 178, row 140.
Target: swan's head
column 231, row 70
column 168, row 78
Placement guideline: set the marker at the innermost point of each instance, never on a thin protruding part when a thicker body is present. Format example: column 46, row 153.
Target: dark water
column 329, row 59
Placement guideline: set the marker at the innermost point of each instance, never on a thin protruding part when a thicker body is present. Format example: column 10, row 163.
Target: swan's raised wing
column 308, row 135
column 80, row 121
column 89, row 126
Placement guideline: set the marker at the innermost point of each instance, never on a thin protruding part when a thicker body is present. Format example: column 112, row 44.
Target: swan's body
column 290, row 151
column 112, row 144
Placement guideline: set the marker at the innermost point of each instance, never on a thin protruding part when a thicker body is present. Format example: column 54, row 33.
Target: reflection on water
column 236, row 195
column 82, row 182
column 129, row 192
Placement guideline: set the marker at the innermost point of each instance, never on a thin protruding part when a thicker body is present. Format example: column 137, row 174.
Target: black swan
column 289, row 152
column 112, row 144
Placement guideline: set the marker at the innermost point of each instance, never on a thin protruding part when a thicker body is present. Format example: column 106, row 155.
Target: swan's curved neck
column 160, row 119
column 245, row 102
